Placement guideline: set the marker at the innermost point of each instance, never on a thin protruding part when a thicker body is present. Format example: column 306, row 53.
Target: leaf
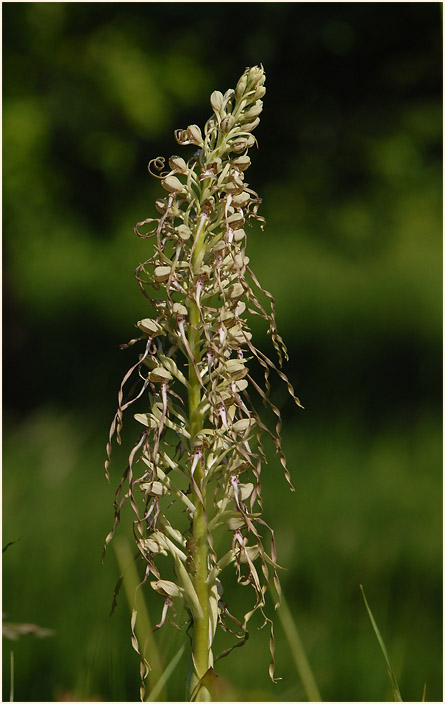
column 392, row 676
column 189, row 589
column 298, row 653
column 154, row 694
column 207, row 681
column 214, row 609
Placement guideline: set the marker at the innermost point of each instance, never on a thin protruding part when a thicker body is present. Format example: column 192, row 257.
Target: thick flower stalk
column 200, row 441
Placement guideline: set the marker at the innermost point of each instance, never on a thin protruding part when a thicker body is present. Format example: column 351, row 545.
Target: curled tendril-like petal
column 158, row 163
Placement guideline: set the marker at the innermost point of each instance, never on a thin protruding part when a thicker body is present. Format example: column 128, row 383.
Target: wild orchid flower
column 200, row 440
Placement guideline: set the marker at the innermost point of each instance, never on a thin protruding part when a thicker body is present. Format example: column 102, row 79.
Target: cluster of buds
column 200, row 442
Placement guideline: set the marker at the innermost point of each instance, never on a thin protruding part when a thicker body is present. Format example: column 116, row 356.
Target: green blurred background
column 349, row 169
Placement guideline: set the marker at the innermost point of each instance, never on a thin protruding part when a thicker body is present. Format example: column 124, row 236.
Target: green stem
column 201, row 644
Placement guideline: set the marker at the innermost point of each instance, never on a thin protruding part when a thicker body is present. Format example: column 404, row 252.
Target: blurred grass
column 395, row 687
column 358, row 516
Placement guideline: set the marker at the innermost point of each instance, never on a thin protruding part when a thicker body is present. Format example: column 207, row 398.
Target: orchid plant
column 200, row 443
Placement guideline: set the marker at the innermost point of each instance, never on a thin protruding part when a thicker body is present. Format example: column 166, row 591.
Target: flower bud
column 232, row 186
column 239, row 146
column 173, row 185
column 179, row 309
column 236, row 220
column 148, row 544
column 254, row 111
column 146, row 419
column 235, row 290
column 240, row 426
column 249, row 554
column 235, row 523
column 178, row 164
column 217, row 101
column 154, row 489
column 241, row 385
column 241, row 199
column 183, row 232
column 195, row 136
column 239, row 234
column 256, row 77
column 240, row 260
column 150, row 327
column 166, row 588
column 239, row 336
column 250, row 126
column 240, row 308
column 219, row 247
column 227, row 123
column 259, row 93
column 241, row 86
column 235, row 368
column 161, row 273
column 241, row 162
column 160, row 375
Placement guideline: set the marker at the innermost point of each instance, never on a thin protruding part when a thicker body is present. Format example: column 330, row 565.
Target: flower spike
column 200, row 445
